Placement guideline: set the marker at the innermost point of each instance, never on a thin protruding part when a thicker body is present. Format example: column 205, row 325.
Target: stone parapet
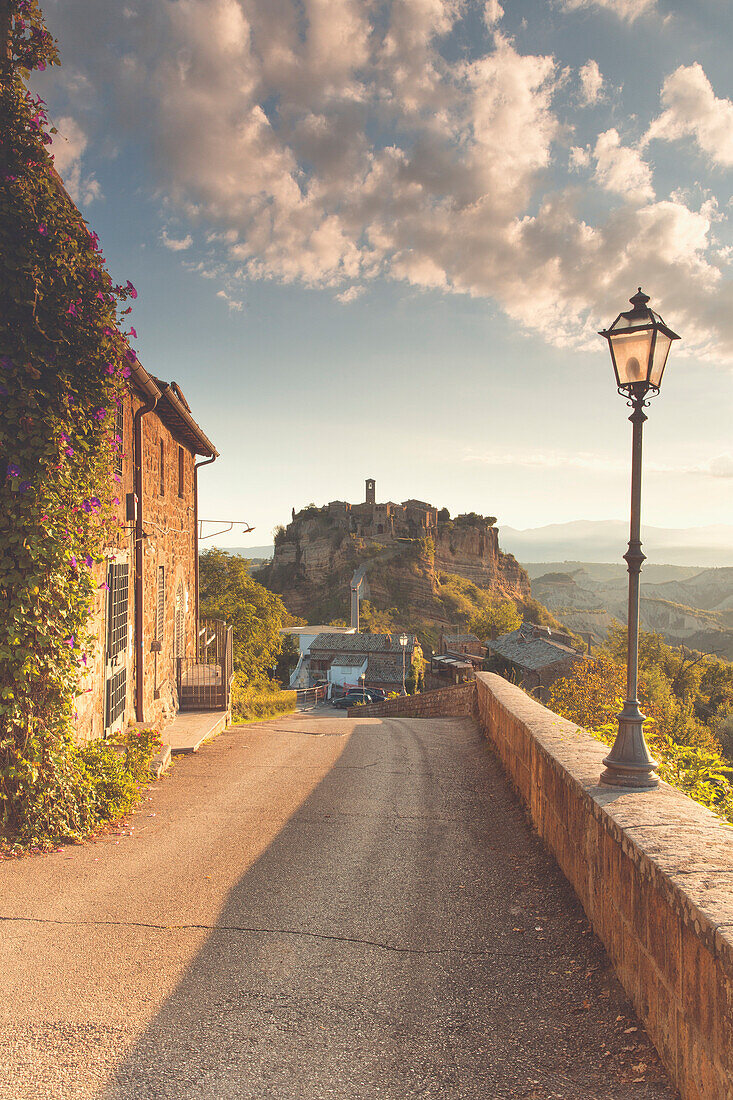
column 449, row 702
column 653, row 871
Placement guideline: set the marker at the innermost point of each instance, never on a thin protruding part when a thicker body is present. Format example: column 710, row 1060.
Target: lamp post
column 403, row 642
column 639, row 342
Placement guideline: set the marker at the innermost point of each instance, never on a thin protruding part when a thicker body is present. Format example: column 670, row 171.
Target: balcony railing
column 204, row 681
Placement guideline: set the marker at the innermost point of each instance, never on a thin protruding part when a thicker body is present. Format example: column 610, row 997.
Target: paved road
column 316, row 907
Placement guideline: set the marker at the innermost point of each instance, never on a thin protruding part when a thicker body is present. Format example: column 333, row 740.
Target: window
column 179, row 636
column 160, row 605
column 118, row 579
column 162, row 469
column 116, row 695
column 180, row 471
column 120, row 433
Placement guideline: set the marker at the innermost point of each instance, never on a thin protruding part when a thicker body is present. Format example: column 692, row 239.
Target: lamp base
column 629, row 763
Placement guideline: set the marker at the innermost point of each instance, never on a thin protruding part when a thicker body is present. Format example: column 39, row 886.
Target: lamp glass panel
column 630, row 321
column 661, row 351
column 631, row 353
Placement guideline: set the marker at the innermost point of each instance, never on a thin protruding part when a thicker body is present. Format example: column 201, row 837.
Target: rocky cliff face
column 316, row 555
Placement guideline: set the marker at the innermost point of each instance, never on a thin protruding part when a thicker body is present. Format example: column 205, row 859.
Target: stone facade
column 170, row 441
column 447, row 702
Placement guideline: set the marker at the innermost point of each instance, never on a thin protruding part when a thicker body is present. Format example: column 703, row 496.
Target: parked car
column 352, row 698
column 378, row 696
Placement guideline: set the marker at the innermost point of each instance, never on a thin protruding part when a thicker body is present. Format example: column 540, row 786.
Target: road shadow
column 404, row 935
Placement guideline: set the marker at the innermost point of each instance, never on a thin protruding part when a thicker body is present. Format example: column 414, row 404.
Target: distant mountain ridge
column 606, row 541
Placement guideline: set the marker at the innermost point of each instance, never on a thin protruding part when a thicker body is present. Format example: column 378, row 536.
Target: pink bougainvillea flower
column 95, row 502
column 42, row 229
column 88, row 561
column 24, row 486
column 131, row 289
column 115, row 500
column 110, row 368
column 94, row 241
column 107, row 331
column 133, row 332
column 70, row 641
column 13, row 470
column 104, row 585
column 116, row 477
column 100, row 295
column 72, row 562
column 126, row 371
column 100, row 414
column 72, row 309
column 131, row 356
column 69, row 452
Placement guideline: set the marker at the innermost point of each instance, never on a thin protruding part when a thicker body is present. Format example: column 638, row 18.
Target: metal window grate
column 160, row 606
column 119, row 589
column 116, row 696
column 120, row 433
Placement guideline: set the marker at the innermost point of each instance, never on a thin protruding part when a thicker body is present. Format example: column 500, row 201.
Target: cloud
column 350, row 294
column 591, row 83
column 626, row 10
column 175, row 244
column 693, row 110
column 621, row 169
column 333, row 142
column 69, row 146
column 719, row 467
column 493, row 13
column 233, row 304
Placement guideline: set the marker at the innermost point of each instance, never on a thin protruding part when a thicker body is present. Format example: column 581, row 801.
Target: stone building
column 411, row 519
column 532, row 656
column 349, row 660
column 146, row 615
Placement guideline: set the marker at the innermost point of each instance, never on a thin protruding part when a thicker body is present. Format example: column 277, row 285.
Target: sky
column 378, row 239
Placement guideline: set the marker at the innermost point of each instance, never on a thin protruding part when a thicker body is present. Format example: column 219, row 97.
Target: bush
column 77, row 788
column 251, row 702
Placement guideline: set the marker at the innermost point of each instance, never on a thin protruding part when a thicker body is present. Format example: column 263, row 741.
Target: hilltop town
column 416, row 560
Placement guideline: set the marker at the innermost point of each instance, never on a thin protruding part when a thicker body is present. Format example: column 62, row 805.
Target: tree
column 227, row 591
column 498, row 617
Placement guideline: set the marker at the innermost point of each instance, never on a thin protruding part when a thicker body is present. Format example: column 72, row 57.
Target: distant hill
column 606, row 541
column 251, row 552
column 687, row 606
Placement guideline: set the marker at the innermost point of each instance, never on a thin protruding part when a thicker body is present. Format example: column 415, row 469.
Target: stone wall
column 168, row 523
column 449, row 702
column 654, row 873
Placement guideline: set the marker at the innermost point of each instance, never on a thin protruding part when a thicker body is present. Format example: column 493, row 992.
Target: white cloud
column 621, row 169
column 350, row 294
column 627, row 10
column 493, row 13
column 233, row 304
column 721, row 466
column 69, row 146
column 691, row 109
column 591, row 83
column 330, row 142
column 176, row 244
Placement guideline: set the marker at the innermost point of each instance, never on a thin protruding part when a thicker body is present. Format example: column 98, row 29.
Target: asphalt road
column 315, row 907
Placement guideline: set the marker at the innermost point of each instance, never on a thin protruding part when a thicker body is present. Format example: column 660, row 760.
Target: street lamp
column 639, row 342
column 403, row 642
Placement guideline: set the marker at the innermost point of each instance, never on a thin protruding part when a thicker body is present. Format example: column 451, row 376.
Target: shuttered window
column 116, row 696
column 160, row 605
column 179, row 640
column 161, row 470
column 118, row 579
column 180, row 471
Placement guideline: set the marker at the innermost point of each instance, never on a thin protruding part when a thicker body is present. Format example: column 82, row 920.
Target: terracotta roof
column 527, row 649
column 362, row 643
column 386, row 668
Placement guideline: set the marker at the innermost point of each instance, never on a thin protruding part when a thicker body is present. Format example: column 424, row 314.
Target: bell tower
column 371, row 491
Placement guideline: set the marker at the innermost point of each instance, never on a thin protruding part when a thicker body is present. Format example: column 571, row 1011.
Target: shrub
column 251, row 702
column 68, row 793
